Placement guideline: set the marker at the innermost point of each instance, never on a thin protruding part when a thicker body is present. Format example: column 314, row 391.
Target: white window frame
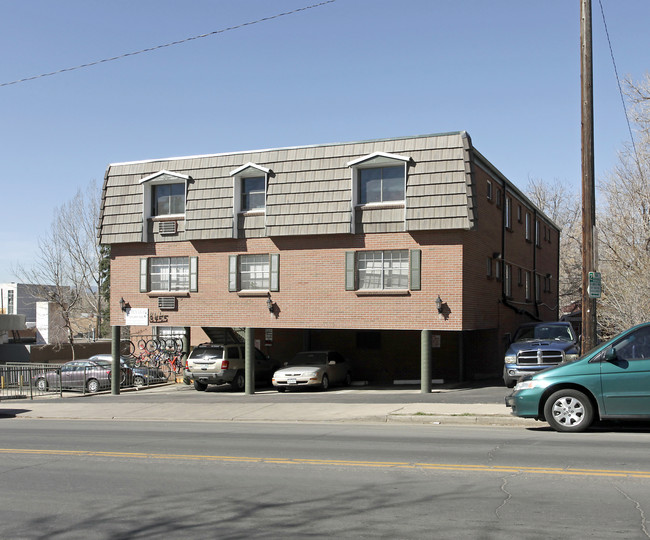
column 192, row 277
column 234, row 273
column 374, row 161
column 507, row 280
column 157, row 179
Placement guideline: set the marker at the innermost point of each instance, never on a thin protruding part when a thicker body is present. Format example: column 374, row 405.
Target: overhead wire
column 620, row 91
column 178, row 42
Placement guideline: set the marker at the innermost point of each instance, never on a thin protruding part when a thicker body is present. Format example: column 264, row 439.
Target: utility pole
column 589, row 339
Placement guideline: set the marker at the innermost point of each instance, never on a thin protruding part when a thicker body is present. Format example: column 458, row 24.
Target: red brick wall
column 312, row 284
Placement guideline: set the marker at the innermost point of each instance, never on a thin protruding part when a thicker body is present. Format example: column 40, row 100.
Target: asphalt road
column 129, row 479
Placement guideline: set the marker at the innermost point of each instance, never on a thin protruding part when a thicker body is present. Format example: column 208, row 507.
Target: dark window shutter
column 144, row 267
column 350, row 271
column 194, row 274
column 275, row 272
column 416, row 264
column 232, row 273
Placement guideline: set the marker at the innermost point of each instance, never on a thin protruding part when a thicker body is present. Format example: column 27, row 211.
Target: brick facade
column 312, row 307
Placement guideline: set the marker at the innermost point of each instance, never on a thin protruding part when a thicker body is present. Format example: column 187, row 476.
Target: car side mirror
column 610, row 355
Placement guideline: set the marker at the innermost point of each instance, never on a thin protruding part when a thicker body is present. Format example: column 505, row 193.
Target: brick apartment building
column 358, row 247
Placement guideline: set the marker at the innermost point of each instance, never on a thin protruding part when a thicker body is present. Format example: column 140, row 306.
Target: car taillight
column 225, row 364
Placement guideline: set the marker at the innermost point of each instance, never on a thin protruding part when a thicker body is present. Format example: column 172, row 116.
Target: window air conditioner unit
column 167, row 227
column 166, row 302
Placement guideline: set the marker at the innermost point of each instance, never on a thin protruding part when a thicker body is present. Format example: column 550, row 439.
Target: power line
column 179, row 42
column 620, row 91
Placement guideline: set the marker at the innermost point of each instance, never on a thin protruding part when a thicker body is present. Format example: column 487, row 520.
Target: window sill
column 246, row 213
column 177, row 294
column 249, row 293
column 382, row 205
column 383, row 292
column 168, row 217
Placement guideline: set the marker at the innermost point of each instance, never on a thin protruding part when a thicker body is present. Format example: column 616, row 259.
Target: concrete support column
column 116, row 369
column 186, row 342
column 425, row 360
column 249, row 362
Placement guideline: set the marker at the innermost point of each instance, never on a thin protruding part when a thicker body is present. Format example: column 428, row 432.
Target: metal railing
column 16, row 382
column 21, row 381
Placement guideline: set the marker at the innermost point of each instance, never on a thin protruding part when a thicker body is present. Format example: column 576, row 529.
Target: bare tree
column 624, row 225
column 562, row 205
column 79, row 220
column 66, row 271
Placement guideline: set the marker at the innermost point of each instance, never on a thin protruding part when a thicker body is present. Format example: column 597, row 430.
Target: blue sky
column 506, row 71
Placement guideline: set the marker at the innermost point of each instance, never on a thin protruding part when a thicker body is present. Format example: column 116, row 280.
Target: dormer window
column 381, row 184
column 168, row 199
column 250, row 183
column 249, row 198
column 379, row 178
column 253, row 193
column 164, row 197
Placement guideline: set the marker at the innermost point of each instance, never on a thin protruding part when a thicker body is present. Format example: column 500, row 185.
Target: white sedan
column 313, row 368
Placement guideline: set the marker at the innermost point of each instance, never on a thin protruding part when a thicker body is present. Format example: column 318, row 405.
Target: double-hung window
column 258, row 272
column 168, row 199
column 381, row 184
column 254, row 272
column 168, row 274
column 388, row 270
column 253, row 193
column 383, row 269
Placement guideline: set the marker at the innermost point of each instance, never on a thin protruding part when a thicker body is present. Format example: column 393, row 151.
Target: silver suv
column 212, row 363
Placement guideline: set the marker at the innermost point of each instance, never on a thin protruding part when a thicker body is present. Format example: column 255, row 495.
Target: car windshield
column 309, row 359
column 540, row 331
column 102, row 363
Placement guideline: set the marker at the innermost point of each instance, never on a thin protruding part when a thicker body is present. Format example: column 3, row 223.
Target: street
column 136, row 479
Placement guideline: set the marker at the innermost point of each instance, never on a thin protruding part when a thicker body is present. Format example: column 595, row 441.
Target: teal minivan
column 612, row 381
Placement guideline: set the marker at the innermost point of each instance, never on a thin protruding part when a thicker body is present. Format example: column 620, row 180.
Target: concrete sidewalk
column 247, row 410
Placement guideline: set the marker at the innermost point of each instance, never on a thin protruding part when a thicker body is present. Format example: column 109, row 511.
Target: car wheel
column 568, row 410
column 201, row 387
column 238, row 383
column 509, row 381
column 41, row 384
column 92, row 386
column 348, row 379
column 281, row 389
column 325, row 383
column 138, row 380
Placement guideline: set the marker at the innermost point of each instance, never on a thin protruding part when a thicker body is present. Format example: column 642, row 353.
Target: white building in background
column 21, row 299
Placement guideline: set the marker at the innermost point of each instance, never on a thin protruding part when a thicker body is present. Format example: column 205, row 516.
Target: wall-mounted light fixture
column 269, row 304
column 122, row 304
column 439, row 304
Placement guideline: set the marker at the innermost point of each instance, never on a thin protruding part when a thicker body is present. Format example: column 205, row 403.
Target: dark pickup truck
column 537, row 346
